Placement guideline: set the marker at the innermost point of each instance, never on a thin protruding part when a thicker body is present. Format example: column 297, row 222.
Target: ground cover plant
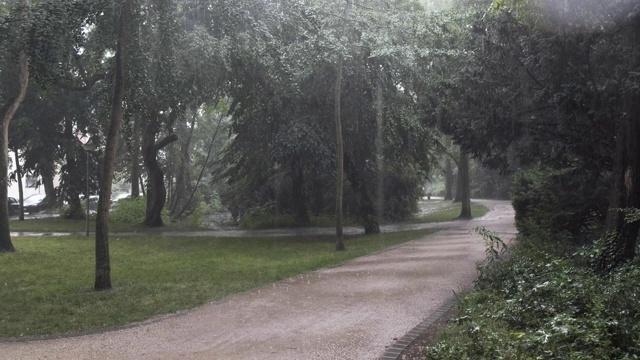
column 46, row 285
column 543, row 304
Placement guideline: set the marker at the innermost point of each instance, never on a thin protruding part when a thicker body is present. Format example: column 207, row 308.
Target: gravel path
column 352, row 311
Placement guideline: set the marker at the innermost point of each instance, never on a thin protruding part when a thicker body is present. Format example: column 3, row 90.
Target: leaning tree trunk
column 103, row 262
column 179, row 197
column 465, row 188
column 156, row 190
column 8, row 112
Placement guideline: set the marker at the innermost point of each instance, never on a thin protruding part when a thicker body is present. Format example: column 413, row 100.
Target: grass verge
column 56, row 224
column 449, row 212
column 45, row 287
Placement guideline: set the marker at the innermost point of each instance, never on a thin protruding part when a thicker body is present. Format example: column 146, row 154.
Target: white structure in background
column 28, row 182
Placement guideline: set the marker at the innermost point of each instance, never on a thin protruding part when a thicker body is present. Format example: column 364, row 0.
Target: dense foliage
column 545, row 304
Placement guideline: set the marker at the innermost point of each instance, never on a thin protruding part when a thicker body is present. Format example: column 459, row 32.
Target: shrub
column 538, row 305
column 132, row 211
column 541, row 201
column 128, row 211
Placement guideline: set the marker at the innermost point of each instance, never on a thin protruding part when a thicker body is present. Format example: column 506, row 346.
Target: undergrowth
column 539, row 303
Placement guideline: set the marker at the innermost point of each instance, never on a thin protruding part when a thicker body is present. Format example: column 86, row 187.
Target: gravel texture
column 352, row 311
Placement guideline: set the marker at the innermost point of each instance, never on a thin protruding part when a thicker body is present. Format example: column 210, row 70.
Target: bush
column 132, row 211
column 537, row 305
column 129, row 211
column 542, row 201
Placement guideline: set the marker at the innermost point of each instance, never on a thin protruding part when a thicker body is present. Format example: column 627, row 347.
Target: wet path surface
column 347, row 312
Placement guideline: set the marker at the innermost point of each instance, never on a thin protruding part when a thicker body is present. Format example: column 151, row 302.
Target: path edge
column 393, row 351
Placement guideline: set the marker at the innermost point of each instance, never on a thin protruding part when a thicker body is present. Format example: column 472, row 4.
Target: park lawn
column 449, row 212
column 57, row 224
column 442, row 211
column 46, row 286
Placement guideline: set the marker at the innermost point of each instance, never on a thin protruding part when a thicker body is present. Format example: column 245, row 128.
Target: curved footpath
column 352, row 311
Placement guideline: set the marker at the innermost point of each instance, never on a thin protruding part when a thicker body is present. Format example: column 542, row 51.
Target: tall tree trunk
column 9, row 111
column 448, row 179
column 458, row 184
column 465, row 188
column 73, row 195
column 20, row 188
column 47, row 183
column 103, row 263
column 299, row 198
column 339, row 144
column 182, row 186
column 135, row 158
column 621, row 236
column 156, row 190
column 379, row 202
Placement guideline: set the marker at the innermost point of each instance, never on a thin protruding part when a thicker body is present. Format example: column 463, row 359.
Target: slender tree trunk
column 103, row 263
column 339, row 144
column 73, row 196
column 20, row 189
column 183, row 179
column 379, row 202
column 448, row 179
column 465, row 188
column 204, row 167
column 135, row 158
column 5, row 236
column 299, row 198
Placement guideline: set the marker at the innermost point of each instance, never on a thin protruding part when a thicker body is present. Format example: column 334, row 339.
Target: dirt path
column 348, row 312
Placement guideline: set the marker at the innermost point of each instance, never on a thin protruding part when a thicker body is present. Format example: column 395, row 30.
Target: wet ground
column 352, row 311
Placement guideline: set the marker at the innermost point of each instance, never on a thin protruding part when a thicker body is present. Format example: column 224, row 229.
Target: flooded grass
column 46, row 285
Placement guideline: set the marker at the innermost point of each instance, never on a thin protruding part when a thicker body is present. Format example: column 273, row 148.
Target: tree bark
column 339, row 143
column 465, row 188
column 448, row 179
column 299, row 198
column 620, row 236
column 135, row 158
column 20, row 188
column 182, row 185
column 5, row 236
column 76, row 180
column 103, row 263
column 156, row 190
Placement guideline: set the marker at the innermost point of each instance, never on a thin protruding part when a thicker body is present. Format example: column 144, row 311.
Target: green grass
column 46, row 285
column 449, row 212
column 442, row 211
column 56, row 224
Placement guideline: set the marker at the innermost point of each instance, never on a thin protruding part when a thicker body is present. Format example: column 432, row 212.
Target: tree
column 339, row 142
column 464, row 187
column 621, row 230
column 103, row 262
column 8, row 111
